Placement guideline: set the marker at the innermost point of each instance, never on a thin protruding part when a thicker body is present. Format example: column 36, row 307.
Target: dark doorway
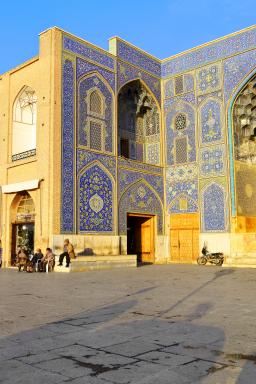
column 22, row 236
column 140, row 237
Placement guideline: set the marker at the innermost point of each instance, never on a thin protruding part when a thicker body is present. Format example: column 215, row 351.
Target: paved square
column 169, row 324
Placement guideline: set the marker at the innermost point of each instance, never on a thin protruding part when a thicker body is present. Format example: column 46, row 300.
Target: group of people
column 38, row 262
column 43, row 263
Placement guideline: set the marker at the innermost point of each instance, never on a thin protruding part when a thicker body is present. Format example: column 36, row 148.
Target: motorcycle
column 213, row 258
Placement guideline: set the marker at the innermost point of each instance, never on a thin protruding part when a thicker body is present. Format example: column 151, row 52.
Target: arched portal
column 138, row 124
column 244, row 139
column 22, row 224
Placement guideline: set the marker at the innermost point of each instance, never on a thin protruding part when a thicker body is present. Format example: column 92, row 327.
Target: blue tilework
column 210, row 121
column 133, row 56
column 209, row 79
column 187, row 98
column 84, row 85
column 192, row 206
column 182, row 182
column 87, row 51
column 182, row 173
column 95, row 209
column 126, row 73
column 212, row 161
column 172, row 133
column 215, row 94
column 127, row 177
column 83, row 67
column 129, row 163
column 235, row 69
column 142, row 199
column 85, row 157
column 213, row 206
column 212, row 52
column 67, row 193
column 188, row 81
column 153, row 153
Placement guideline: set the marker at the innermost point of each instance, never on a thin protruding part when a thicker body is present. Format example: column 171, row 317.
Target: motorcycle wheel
column 219, row 263
column 201, row 260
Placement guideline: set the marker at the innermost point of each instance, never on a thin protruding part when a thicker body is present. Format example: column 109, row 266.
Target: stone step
column 90, row 263
column 241, row 260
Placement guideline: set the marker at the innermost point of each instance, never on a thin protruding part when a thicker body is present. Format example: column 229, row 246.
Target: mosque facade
column 124, row 153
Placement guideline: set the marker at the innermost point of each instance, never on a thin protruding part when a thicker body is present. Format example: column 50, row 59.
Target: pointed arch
column 229, row 117
column 175, row 204
column 24, row 118
column 95, row 191
column 214, row 208
column 139, row 122
column 180, row 107
column 95, row 122
column 140, row 197
column 145, row 85
column 211, row 121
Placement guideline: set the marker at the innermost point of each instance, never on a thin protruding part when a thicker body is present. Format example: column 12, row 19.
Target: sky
column 160, row 27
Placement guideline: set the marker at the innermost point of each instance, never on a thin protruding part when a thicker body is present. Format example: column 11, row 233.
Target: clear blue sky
column 161, row 27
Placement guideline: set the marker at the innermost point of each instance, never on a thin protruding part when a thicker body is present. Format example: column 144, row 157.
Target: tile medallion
column 208, row 79
column 213, row 161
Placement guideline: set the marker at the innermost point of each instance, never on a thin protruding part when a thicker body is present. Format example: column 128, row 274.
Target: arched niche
column 140, row 197
column 22, row 219
column 95, row 113
column 138, row 124
column 244, row 144
column 214, row 209
column 24, row 124
column 95, row 199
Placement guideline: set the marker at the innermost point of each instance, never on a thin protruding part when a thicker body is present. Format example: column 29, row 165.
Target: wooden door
column 146, row 242
column 196, row 251
column 186, row 245
column 175, row 246
column 184, row 237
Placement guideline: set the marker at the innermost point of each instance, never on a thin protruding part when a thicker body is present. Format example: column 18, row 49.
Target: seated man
column 22, row 260
column 36, row 259
column 68, row 252
column 48, row 259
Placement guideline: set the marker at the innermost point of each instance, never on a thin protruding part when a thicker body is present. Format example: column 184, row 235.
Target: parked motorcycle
column 213, row 258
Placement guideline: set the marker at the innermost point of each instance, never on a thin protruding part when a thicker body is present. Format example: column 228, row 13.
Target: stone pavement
column 151, row 325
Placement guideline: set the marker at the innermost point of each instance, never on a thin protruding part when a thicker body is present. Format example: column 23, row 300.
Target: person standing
column 68, row 252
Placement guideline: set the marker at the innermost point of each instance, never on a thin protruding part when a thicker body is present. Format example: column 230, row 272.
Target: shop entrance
column 141, row 237
column 23, row 224
column 22, row 237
